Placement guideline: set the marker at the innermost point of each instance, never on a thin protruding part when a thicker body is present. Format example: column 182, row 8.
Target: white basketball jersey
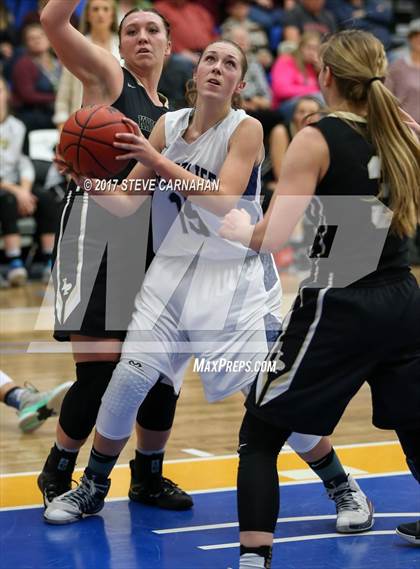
column 181, row 228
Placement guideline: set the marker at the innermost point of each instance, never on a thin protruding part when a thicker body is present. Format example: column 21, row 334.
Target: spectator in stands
column 256, row 95
column 375, row 16
column 7, row 38
column 99, row 23
column 124, row 6
column 238, row 11
column 404, row 74
column 308, row 15
column 404, row 81
column 176, row 73
column 18, row 196
column 33, row 16
column 192, row 27
column 306, row 110
column 35, row 78
column 296, row 74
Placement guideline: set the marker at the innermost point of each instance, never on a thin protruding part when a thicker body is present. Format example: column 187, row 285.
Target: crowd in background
column 281, row 39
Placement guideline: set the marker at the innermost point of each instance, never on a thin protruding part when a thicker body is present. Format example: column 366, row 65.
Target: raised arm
column 305, row 163
column 96, row 68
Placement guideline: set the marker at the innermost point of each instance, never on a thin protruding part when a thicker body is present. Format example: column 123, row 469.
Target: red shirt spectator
column 192, row 27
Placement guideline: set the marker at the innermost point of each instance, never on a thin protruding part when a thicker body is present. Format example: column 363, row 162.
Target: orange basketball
column 87, row 138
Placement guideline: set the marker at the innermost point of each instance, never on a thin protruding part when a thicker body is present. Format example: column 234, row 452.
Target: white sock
column 251, row 561
column 150, row 452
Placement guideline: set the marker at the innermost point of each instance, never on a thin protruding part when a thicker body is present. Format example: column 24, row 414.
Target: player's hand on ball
column 65, row 169
column 236, row 226
column 137, row 147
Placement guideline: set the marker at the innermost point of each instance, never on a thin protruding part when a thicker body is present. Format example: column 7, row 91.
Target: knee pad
column 303, row 443
column 256, row 435
column 130, row 384
column 157, row 411
column 81, row 404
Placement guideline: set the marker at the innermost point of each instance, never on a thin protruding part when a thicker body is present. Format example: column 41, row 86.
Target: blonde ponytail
column 358, row 63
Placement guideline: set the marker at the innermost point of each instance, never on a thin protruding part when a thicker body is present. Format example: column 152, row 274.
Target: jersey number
column 188, row 216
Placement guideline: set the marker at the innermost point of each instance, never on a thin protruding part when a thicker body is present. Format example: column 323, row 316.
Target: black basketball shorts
column 99, row 266
column 333, row 341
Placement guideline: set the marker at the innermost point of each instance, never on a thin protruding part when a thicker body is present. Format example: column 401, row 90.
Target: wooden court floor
column 199, row 427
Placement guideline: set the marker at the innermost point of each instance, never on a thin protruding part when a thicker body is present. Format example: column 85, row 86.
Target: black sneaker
column 410, row 532
column 166, row 494
column 85, row 500
column 53, row 484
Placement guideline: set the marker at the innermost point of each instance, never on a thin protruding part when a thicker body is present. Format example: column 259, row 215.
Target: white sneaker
column 354, row 509
column 17, row 275
column 85, row 500
column 36, row 406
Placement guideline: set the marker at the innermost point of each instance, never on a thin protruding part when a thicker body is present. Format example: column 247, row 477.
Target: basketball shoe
column 37, row 406
column 410, row 532
column 158, row 491
column 354, row 509
column 85, row 500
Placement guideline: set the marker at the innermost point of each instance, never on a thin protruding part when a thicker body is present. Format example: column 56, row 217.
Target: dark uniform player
column 358, row 317
column 100, row 261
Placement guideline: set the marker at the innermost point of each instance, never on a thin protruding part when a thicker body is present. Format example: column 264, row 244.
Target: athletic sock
column 100, row 466
column 330, row 470
column 61, row 460
column 13, row 397
column 255, row 557
column 149, row 467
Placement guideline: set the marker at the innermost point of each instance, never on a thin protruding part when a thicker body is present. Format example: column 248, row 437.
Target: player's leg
column 129, row 386
column 78, row 412
column 410, row 442
column 258, row 489
column 153, row 428
column 33, row 407
column 354, row 509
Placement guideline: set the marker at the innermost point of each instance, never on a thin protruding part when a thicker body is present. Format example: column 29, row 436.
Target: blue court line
column 124, row 535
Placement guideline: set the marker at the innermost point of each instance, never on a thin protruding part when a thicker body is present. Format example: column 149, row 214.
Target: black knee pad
column 157, row 411
column 82, row 401
column 257, row 435
column 258, row 483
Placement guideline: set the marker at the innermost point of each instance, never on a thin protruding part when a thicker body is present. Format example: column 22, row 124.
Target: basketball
column 86, row 142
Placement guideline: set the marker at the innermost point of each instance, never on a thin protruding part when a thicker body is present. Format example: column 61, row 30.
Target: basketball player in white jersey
column 202, row 295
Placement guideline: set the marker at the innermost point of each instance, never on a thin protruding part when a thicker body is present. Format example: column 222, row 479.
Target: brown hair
column 151, row 11
column 191, row 86
column 85, row 27
column 358, row 63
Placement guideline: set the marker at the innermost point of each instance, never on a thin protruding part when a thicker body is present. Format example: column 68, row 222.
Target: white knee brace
column 130, row 383
column 303, row 443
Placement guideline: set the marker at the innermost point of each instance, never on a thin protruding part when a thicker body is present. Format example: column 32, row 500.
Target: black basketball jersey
column 135, row 103
column 366, row 251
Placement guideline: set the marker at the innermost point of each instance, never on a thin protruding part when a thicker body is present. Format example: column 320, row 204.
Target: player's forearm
column 208, row 194
column 58, row 12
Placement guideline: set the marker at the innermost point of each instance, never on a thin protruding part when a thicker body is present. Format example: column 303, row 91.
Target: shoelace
column 169, row 487
column 83, row 497
column 28, row 385
column 346, row 501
